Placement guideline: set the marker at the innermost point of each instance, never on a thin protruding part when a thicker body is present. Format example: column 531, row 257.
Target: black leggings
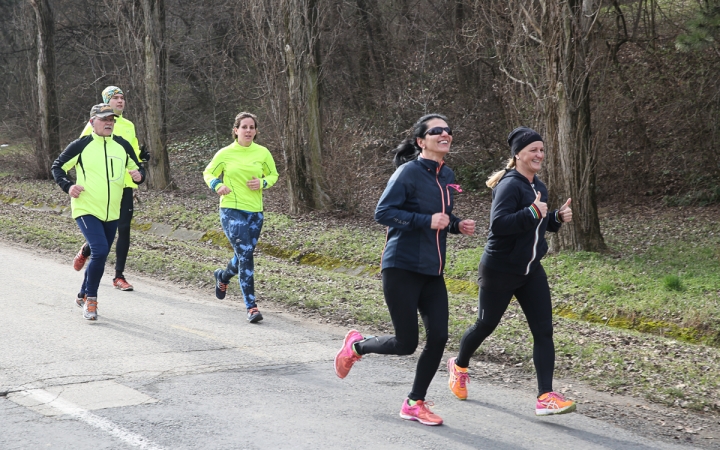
column 533, row 294
column 122, row 246
column 406, row 293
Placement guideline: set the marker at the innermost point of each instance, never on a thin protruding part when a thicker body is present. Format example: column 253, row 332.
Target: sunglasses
column 435, row 131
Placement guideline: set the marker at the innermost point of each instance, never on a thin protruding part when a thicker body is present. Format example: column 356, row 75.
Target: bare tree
column 286, row 34
column 155, row 93
column 302, row 60
column 47, row 145
column 567, row 27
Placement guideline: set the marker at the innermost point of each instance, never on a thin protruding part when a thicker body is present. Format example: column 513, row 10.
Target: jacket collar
column 515, row 174
column 95, row 136
column 430, row 164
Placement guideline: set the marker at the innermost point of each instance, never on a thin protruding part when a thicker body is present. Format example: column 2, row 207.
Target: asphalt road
column 169, row 368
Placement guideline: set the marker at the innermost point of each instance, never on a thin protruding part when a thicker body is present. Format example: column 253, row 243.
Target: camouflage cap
column 102, row 110
column 109, row 92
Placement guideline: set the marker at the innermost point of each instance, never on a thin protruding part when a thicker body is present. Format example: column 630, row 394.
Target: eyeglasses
column 106, row 119
column 435, row 131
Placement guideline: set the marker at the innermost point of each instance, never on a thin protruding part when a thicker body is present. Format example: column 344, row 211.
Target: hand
column 542, row 206
column 224, row 190
column 136, row 175
column 565, row 212
column 439, row 221
column 253, row 184
column 75, row 190
column 467, row 226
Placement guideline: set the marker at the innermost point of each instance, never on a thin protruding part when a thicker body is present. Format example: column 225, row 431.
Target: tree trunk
column 313, row 116
column 571, row 152
column 303, row 157
column 299, row 191
column 47, row 146
column 155, row 94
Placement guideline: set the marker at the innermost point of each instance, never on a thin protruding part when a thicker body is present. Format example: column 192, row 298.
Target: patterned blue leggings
column 242, row 229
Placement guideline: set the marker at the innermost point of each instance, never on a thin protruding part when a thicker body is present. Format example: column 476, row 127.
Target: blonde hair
column 497, row 176
column 239, row 118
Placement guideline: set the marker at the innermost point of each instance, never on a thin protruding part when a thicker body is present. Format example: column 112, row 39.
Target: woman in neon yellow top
column 239, row 173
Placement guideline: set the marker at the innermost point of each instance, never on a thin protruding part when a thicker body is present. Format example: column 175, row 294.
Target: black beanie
column 521, row 137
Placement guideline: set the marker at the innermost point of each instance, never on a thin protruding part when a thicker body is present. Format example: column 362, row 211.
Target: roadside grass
column 628, row 289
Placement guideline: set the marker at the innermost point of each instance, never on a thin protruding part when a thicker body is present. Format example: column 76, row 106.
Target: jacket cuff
column 535, row 211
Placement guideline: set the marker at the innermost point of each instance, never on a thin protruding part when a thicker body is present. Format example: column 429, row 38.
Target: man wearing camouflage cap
column 101, row 161
column 114, row 97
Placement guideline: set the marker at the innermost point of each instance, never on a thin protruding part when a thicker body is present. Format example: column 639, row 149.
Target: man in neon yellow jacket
column 113, row 96
column 239, row 173
column 101, row 161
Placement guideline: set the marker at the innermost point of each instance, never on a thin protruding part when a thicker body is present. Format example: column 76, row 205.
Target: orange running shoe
column 346, row 357
column 122, row 284
column 553, row 403
column 458, row 379
column 79, row 260
column 90, row 308
column 420, row 412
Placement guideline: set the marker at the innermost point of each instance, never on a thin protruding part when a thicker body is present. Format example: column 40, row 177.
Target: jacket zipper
column 437, row 234
column 534, row 252
column 107, row 177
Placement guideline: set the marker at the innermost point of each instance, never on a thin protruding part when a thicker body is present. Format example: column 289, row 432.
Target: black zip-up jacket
column 417, row 190
column 516, row 241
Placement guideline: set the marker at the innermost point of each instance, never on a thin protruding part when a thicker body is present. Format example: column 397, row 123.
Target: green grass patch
column 672, row 283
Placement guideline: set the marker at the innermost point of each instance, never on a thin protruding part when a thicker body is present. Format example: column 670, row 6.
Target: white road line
column 91, row 419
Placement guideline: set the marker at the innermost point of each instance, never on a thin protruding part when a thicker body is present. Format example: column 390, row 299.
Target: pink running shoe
column 553, row 403
column 346, row 357
column 420, row 412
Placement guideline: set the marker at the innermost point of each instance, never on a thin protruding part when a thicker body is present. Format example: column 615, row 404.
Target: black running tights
column 406, row 293
column 533, row 294
column 122, row 246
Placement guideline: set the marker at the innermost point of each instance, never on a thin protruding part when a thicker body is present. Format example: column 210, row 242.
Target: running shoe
column 122, row 284
column 347, row 356
column 254, row 315
column 420, row 412
column 220, row 287
column 90, row 308
column 553, row 403
column 80, row 301
column 79, row 260
column 458, row 379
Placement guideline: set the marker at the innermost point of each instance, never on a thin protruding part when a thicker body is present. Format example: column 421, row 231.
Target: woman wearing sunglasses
column 510, row 266
column 416, row 207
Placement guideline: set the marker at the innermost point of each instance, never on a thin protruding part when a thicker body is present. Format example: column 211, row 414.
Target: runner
column 510, row 266
column 101, row 161
column 113, row 96
column 239, row 173
column 417, row 209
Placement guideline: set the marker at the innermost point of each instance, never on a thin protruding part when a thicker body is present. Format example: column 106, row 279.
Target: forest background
column 337, row 84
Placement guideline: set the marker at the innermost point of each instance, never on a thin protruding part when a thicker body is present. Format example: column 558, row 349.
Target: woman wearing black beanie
column 510, row 266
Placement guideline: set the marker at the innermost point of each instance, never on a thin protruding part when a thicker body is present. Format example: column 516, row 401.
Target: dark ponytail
column 408, row 150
